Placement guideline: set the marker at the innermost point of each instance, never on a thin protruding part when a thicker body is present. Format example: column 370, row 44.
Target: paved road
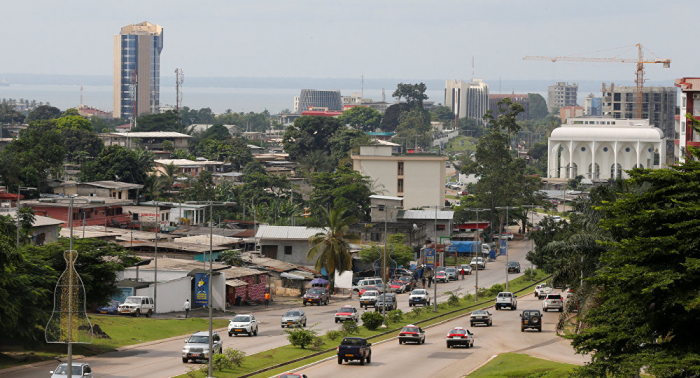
column 433, row 359
column 164, row 360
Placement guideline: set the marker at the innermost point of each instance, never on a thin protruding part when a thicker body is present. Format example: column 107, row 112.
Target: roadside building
column 286, row 243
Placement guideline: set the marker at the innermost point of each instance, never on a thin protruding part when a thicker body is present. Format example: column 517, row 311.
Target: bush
column 221, row 362
column 350, row 327
column 332, row 334
column 192, row 371
column 529, row 274
column 317, row 343
column 443, row 306
column 395, row 316
column 300, row 337
column 468, row 297
column 417, row 311
column 495, row 289
column 372, row 320
column 482, row 292
column 235, row 356
column 453, row 299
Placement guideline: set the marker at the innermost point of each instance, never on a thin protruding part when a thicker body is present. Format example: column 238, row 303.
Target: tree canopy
column 538, row 106
column 309, row 133
column 344, row 188
column 361, row 118
column 43, row 112
column 119, row 164
column 166, row 121
column 392, row 116
column 413, row 93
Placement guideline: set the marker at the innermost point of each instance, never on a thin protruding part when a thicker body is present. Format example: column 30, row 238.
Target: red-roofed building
column 89, row 111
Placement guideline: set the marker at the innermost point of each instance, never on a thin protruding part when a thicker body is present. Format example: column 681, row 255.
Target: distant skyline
column 377, row 39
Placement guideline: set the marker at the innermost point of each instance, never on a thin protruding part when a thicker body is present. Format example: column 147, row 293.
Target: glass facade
column 134, row 85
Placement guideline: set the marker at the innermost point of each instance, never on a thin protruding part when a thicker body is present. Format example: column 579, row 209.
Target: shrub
column 332, row 334
column 468, row 297
column 192, row 371
column 495, row 289
column 235, row 356
column 300, row 337
column 350, row 327
column 317, row 343
column 443, row 306
column 482, row 292
column 417, row 311
column 453, row 299
column 220, row 362
column 372, row 320
column 529, row 274
column 395, row 316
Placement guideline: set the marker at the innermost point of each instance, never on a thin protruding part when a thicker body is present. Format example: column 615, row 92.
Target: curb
column 481, row 365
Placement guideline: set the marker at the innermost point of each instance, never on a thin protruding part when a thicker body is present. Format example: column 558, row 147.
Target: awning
column 236, row 283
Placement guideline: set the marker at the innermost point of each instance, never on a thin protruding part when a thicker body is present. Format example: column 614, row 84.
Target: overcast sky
column 344, row 39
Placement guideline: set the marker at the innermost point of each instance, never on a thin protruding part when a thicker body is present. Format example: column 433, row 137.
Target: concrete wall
column 171, row 294
column 300, row 248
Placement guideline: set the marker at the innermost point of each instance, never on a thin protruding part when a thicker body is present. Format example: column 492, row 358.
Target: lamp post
column 476, row 287
column 386, row 251
column 532, row 223
column 436, row 243
column 155, row 257
column 19, row 205
column 211, row 270
column 506, row 208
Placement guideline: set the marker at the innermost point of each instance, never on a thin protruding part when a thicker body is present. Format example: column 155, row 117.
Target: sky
column 404, row 39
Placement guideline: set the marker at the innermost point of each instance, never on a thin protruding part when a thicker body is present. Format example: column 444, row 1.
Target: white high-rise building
column 467, row 99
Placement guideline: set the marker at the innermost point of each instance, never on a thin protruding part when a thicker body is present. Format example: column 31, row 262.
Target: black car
column 389, row 303
column 531, row 319
column 513, row 267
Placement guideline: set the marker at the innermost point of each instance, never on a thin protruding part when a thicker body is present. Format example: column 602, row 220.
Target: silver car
column 451, row 273
column 294, row 318
column 197, row 346
column 80, row 369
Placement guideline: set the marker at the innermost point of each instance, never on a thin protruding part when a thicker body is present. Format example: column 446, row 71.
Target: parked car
column 441, row 277
column 318, row 295
column 354, row 348
column 508, row 235
column 467, row 269
column 368, row 282
column 112, row 308
column 460, row 336
column 451, row 273
column 386, row 302
column 197, row 346
column 513, row 267
column 531, row 319
column 347, row 312
column 402, row 272
column 243, row 324
column 137, row 305
column 480, row 317
column 409, row 281
column 440, row 269
column 506, row 299
column 398, row 286
column 419, row 296
column 369, row 298
column 553, row 302
column 294, row 318
column 570, row 292
column 478, row 263
column 79, row 370
column 413, row 334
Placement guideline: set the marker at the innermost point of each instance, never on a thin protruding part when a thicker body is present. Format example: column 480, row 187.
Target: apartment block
column 522, row 99
column 561, row 94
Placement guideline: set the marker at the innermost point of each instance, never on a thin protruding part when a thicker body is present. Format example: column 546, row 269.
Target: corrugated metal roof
column 286, row 232
column 235, row 282
column 425, row 214
column 237, row 271
column 112, row 185
column 204, row 239
column 386, row 198
column 151, row 134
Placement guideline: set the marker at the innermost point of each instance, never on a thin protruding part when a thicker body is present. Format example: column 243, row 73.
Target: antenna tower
column 81, row 95
column 383, row 95
column 472, row 67
column 179, row 78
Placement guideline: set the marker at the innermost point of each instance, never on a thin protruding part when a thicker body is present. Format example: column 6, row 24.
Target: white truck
column 506, row 299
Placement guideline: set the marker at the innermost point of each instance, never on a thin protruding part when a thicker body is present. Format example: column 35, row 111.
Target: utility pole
column 532, row 223
column 506, row 208
column 476, row 287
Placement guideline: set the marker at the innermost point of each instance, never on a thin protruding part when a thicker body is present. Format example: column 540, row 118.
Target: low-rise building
column 286, row 243
column 151, row 140
column 101, row 211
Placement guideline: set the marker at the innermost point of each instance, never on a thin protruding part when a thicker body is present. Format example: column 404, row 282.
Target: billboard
column 430, row 258
column 503, row 247
column 201, row 289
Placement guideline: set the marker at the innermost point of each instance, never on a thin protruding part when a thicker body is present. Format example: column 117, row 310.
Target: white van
column 137, row 305
column 367, row 282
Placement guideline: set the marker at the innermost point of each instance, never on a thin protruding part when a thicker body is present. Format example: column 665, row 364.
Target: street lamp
column 384, row 278
column 211, row 270
column 436, row 243
column 19, row 205
column 532, row 223
column 476, row 287
column 506, row 208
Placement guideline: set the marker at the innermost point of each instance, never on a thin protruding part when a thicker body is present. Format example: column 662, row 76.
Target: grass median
column 424, row 316
column 122, row 331
column 508, row 365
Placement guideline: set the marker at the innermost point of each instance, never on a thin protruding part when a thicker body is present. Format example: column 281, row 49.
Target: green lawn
column 512, row 365
column 122, row 331
column 426, row 317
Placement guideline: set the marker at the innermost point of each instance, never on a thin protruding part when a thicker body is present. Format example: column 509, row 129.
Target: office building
column 592, row 106
column 522, row 99
column 136, row 82
column 658, row 106
column 560, row 95
column 467, row 100
column 690, row 103
column 312, row 98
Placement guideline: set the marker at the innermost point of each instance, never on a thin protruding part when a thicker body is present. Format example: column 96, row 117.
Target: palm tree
column 331, row 247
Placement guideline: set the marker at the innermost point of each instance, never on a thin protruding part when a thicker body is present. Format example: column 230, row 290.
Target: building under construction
column 658, row 106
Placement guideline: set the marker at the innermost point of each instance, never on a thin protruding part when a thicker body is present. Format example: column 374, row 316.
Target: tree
column 538, row 150
column 8, row 115
column 168, row 146
column 73, row 122
column 116, row 163
column 391, row 116
column 166, row 121
column 316, row 161
column 81, row 144
column 344, row 188
column 414, row 128
column 361, row 118
column 231, row 257
column 401, row 253
column 505, row 118
column 236, row 152
column 331, row 248
column 538, row 106
column 43, row 112
column 309, row 133
column 443, row 114
column 252, row 168
column 413, row 93
column 345, row 141
column 217, row 131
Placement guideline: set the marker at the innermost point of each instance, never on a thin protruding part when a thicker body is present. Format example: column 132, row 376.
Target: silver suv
column 197, row 346
column 294, row 318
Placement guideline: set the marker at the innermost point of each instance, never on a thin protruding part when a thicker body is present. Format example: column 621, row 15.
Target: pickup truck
column 478, row 263
column 506, row 299
column 542, row 290
column 354, row 348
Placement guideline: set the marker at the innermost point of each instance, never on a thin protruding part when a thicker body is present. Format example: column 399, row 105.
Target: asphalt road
column 163, row 359
column 433, row 359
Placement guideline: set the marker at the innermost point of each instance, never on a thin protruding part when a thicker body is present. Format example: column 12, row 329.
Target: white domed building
column 603, row 148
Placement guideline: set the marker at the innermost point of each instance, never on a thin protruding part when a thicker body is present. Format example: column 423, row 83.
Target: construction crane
column 639, row 61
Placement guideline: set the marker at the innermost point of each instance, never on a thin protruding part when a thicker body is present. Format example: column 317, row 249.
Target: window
column 441, row 227
column 400, row 172
column 375, row 236
column 605, row 149
column 627, row 149
column 287, row 249
column 583, row 149
column 400, row 186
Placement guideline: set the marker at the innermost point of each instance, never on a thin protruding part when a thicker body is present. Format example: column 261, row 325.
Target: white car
column 419, row 296
column 243, row 324
column 137, row 305
column 553, row 302
column 80, row 370
column 542, row 290
column 369, row 298
column 478, row 263
column 347, row 312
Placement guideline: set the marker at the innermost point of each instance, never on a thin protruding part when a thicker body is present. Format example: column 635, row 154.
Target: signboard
column 503, row 247
column 430, row 258
column 201, row 289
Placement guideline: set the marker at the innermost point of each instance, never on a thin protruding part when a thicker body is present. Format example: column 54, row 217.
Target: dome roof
column 594, row 132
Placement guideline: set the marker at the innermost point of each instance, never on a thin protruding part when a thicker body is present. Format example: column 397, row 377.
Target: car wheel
column 340, row 361
column 149, row 313
column 230, row 334
column 410, row 305
column 336, row 320
column 497, row 308
column 561, row 309
column 471, row 325
column 184, row 360
column 362, row 360
column 515, row 308
column 522, row 329
column 369, row 358
column 256, row 331
column 250, row 333
column 304, row 303
column 539, row 329
column 448, row 346
column 282, row 327
column 490, row 323
column 137, row 313
column 304, row 323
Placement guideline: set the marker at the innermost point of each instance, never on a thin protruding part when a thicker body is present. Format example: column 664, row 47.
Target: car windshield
column 458, row 332
column 241, row 318
column 371, row 293
column 450, row 270
column 397, row 282
column 388, row 298
column 464, row 267
column 63, row 369
column 419, row 292
column 292, row 313
column 199, row 339
column 409, row 329
column 554, row 296
column 315, row 291
column 133, row 300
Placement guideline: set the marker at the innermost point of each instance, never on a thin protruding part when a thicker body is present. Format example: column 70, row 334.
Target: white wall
column 171, row 294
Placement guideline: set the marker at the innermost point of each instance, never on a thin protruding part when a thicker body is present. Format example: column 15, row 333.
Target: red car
column 441, row 277
column 365, row 288
column 398, row 286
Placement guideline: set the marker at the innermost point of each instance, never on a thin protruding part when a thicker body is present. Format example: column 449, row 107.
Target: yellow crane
column 640, row 61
